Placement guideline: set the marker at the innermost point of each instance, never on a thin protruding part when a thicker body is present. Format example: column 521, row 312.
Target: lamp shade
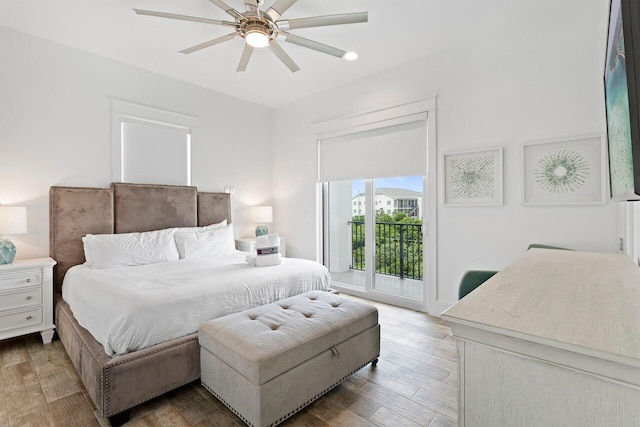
column 13, row 220
column 262, row 214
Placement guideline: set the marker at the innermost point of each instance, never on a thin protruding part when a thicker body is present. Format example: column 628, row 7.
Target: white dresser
column 26, row 298
column 551, row 340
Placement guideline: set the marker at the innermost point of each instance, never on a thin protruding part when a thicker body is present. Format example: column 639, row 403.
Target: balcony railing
column 398, row 248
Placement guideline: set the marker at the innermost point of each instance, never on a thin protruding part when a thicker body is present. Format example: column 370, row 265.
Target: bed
column 128, row 376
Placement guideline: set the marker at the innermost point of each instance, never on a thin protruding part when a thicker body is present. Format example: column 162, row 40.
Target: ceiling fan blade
column 183, row 17
column 321, row 21
column 251, row 5
column 244, row 59
column 320, row 47
column 282, row 55
column 279, row 8
column 231, row 11
column 209, row 43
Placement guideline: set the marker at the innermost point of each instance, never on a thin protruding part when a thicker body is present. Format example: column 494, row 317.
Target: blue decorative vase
column 7, row 251
column 261, row 230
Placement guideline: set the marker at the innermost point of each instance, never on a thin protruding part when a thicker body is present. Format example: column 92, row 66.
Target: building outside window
column 401, row 199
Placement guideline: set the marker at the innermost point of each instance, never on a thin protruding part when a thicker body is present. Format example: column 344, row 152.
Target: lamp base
column 261, row 230
column 7, row 251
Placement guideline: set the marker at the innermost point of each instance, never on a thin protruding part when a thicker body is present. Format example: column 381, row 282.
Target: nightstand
column 249, row 245
column 26, row 298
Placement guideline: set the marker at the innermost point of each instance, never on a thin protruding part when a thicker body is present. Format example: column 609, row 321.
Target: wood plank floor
column 414, row 384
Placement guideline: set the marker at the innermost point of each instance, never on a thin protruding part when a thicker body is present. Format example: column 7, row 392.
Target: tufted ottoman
column 268, row 362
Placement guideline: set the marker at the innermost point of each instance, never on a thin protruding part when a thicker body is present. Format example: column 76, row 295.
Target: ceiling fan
column 261, row 29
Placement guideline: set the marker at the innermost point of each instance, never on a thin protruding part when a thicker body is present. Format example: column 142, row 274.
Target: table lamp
column 13, row 220
column 262, row 215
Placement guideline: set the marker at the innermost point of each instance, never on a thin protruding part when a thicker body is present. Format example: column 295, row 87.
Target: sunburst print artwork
column 473, row 177
column 564, row 172
column 561, row 171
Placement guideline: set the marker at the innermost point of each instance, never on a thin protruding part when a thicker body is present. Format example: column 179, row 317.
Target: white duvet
column 131, row 308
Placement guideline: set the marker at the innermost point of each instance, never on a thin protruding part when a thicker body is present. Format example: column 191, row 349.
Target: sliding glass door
column 378, row 203
column 346, row 233
column 375, row 236
column 397, row 236
column 373, row 177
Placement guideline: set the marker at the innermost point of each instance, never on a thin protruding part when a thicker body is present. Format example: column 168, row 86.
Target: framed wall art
column 564, row 172
column 473, row 178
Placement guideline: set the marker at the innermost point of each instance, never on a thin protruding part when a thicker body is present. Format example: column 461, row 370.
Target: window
column 155, row 154
column 149, row 145
column 408, row 129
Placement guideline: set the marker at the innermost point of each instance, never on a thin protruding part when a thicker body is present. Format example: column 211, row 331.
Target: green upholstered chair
column 538, row 245
column 472, row 279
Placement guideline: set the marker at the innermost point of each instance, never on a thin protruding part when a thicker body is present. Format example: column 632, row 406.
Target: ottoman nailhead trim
column 299, row 408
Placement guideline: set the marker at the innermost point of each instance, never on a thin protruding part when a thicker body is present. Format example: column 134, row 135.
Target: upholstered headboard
column 123, row 208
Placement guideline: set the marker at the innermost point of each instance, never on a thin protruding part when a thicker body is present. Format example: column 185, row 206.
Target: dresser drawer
column 15, row 279
column 18, row 319
column 20, row 298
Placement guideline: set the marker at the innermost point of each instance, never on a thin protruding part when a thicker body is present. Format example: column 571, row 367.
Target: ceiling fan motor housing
column 257, row 24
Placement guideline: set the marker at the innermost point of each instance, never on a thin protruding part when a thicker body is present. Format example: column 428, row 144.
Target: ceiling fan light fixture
column 350, row 56
column 256, row 38
column 260, row 29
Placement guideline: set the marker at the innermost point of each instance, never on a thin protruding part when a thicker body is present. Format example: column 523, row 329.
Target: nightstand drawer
column 26, row 298
column 20, row 319
column 20, row 298
column 16, row 279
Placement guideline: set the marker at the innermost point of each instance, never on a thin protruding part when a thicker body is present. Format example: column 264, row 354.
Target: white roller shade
column 155, row 154
column 391, row 148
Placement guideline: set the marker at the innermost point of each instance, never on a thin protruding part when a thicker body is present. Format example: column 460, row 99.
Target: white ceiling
column 398, row 32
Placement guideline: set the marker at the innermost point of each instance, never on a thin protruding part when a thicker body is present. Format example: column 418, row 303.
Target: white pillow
column 200, row 244
column 119, row 250
column 220, row 224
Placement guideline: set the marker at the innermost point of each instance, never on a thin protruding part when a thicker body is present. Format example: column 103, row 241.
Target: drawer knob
column 29, row 297
column 28, row 317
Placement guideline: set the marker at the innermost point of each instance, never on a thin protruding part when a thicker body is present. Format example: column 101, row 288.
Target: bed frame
column 116, row 384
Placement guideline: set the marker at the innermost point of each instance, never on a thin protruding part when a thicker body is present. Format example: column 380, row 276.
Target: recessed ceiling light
column 350, row 56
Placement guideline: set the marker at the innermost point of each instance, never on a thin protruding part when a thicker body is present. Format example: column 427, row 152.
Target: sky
column 409, row 182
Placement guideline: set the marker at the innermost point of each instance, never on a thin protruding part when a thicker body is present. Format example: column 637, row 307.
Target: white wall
column 532, row 83
column 55, row 129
